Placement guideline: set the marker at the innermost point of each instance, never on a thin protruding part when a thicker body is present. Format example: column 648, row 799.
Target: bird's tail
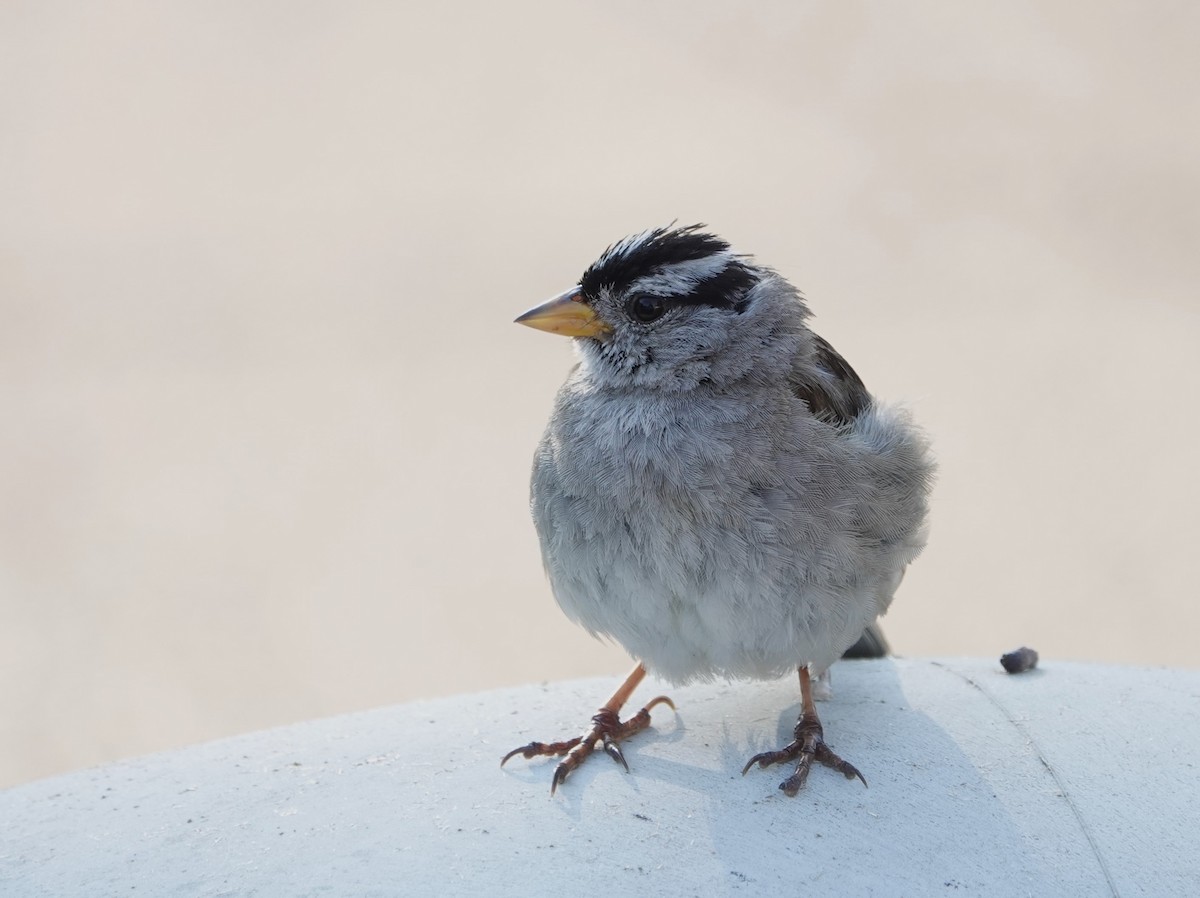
column 871, row 644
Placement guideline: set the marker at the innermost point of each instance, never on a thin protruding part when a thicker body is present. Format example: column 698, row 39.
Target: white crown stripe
column 682, row 277
column 626, row 246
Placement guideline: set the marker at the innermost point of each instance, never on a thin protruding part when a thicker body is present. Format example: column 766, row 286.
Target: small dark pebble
column 1021, row 660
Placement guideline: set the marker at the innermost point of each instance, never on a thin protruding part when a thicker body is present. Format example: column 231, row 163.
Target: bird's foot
column 607, row 730
column 807, row 746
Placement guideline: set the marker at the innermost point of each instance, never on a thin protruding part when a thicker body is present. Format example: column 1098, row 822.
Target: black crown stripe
column 620, row 266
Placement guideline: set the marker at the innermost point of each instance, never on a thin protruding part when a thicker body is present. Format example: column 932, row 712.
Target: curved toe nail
column 560, row 776
column 614, row 751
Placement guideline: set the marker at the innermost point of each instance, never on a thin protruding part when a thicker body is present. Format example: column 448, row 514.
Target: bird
column 716, row 489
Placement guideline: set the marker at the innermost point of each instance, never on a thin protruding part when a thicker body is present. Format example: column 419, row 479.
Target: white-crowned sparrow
column 716, row 489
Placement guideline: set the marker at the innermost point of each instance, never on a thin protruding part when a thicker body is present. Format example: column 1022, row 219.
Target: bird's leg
column 807, row 746
column 607, row 729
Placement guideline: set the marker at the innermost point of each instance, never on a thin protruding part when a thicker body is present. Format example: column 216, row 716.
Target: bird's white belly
column 704, row 601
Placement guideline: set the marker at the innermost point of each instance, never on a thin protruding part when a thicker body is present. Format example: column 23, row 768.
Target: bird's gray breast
column 671, row 524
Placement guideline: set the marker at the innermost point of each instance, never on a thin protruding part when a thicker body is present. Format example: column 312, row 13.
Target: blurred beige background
column 266, row 425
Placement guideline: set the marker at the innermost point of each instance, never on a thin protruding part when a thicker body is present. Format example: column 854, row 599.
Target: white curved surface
column 1070, row 780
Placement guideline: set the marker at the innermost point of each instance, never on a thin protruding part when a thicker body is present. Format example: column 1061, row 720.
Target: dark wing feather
column 832, row 389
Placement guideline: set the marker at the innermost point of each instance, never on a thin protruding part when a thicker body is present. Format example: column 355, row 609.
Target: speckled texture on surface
column 1073, row 779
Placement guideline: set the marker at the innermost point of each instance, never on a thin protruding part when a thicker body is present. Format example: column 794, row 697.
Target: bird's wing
column 832, row 389
column 835, row 393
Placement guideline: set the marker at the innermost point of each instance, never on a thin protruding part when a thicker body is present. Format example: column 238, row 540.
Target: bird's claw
column 560, row 776
column 765, row 759
column 541, row 749
column 614, row 751
column 808, row 746
column 607, row 730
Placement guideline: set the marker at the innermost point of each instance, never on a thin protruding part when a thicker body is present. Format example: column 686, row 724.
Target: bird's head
column 672, row 308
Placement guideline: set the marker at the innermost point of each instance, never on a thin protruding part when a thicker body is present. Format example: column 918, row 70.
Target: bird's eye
column 645, row 308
